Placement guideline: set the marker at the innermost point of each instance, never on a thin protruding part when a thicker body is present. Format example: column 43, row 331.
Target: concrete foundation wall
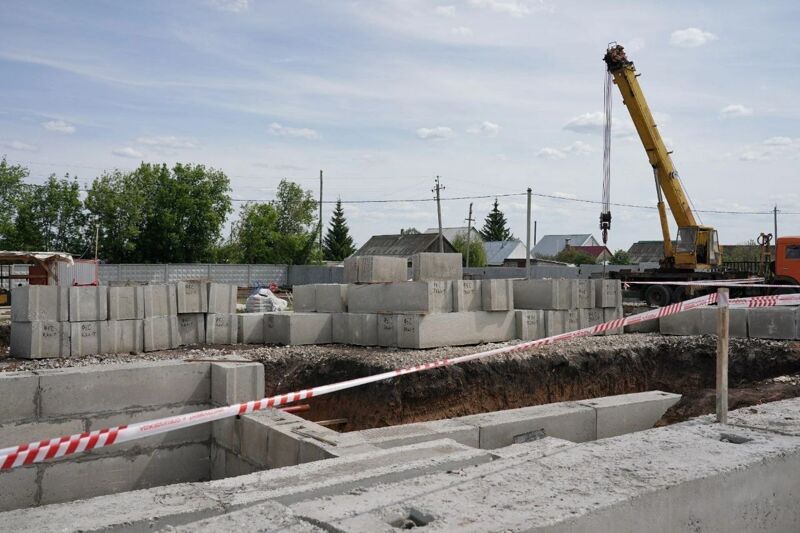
column 401, row 297
column 375, row 269
column 298, row 328
column 435, row 266
column 126, row 303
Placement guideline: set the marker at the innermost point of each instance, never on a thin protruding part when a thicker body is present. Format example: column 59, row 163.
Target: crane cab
column 697, row 248
column 787, row 260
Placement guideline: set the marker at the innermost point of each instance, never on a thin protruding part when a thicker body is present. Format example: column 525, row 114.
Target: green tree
column 620, row 257
column 338, row 244
column 296, row 208
column 477, row 253
column 11, row 189
column 574, row 257
column 495, row 228
column 409, row 231
column 748, row 251
column 50, row 217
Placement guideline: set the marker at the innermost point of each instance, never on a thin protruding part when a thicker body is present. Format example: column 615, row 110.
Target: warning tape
column 727, row 283
column 36, row 452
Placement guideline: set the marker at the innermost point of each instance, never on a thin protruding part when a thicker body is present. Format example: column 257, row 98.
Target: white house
column 551, row 245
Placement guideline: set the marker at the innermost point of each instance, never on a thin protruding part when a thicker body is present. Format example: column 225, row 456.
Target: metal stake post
column 722, row 356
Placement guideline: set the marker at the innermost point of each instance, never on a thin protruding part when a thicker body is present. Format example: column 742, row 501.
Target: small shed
column 404, row 245
column 505, row 253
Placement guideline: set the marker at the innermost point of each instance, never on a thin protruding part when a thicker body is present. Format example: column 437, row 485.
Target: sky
column 493, row 96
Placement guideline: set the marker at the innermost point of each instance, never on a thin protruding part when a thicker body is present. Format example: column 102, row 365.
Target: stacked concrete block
column 704, row 321
column 304, row 298
column 222, row 298
column 320, row 298
column 375, row 269
column 530, row 324
column 773, row 323
column 221, row 328
column 452, row 329
column 359, row 329
column 436, row 266
column 160, row 300
column 126, row 303
column 557, row 322
column 298, row 328
column 590, row 317
column 613, row 313
column 192, row 296
column 88, row 303
column 585, row 293
column 388, row 330
column 467, row 295
column 106, row 336
column 251, row 328
column 32, row 303
column 497, row 295
column 161, row 333
column 608, row 293
column 40, row 339
column 559, row 294
column 191, row 328
column 403, row 297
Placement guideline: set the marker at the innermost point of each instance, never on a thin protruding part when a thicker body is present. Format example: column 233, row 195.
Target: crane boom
column 697, row 246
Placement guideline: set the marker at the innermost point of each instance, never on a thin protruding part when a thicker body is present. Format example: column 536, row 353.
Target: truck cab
column 787, row 260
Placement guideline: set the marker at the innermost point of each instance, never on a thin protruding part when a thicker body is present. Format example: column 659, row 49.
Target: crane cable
column 605, row 213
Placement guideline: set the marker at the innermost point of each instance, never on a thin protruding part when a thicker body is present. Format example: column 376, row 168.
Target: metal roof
column 498, row 251
column 403, row 245
column 451, row 233
column 551, row 245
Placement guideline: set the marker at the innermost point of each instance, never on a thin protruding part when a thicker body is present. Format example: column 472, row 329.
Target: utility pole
column 96, row 236
column 528, row 239
column 469, row 230
column 320, row 211
column 534, row 232
column 437, row 189
column 775, row 220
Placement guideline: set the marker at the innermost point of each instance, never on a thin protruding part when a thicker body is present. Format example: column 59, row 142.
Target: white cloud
column 691, row 38
column 445, row 11
column 550, row 153
column 486, row 128
column 128, row 152
column 778, row 141
column 735, row 110
column 461, row 31
column 578, row 148
column 300, row 133
column 234, row 6
column 594, row 122
column 437, row 133
column 167, row 141
column 59, row 126
column 771, row 149
column 21, row 146
column 515, row 8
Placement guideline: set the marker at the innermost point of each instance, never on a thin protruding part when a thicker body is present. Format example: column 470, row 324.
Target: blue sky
column 492, row 95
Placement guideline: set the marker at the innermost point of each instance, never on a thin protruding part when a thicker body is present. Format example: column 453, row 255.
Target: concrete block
column 251, row 328
column 222, row 298
column 626, row 413
column 545, row 293
column 15, row 434
column 388, row 330
column 20, row 488
column 704, row 321
column 221, row 328
column 88, row 338
column 530, row 324
column 497, row 294
column 566, row 420
column 304, row 298
column 39, row 303
column 88, row 303
column 69, row 391
column 191, row 328
column 435, row 266
column 403, row 435
column 192, row 296
column 585, row 294
column 226, row 433
column 254, row 441
column 359, row 329
column 38, row 340
column 772, row 322
column 608, row 292
column 467, row 295
column 298, row 328
column 161, row 333
column 557, row 322
column 122, row 336
column 613, row 313
column 235, row 466
column 401, row 297
column 649, row 326
column 331, row 298
column 160, row 300
column 236, row 382
column 126, row 303
column 454, row 329
column 18, row 391
column 590, row 317
column 375, row 269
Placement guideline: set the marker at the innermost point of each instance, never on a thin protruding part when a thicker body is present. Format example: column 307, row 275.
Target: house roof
column 550, row 245
column 402, row 245
column 594, row 251
column 646, row 251
column 497, row 252
column 451, row 233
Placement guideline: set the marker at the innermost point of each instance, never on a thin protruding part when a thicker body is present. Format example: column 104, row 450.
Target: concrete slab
column 590, row 317
column 161, row 333
column 160, row 300
column 191, row 328
column 267, row 516
column 19, row 391
column 650, row 326
column 401, row 297
column 467, row 295
column 298, row 328
column 38, row 340
column 558, row 294
column 375, row 269
column 497, row 294
column 122, row 336
column 251, row 328
column 126, row 303
column 359, row 329
column 236, row 382
column 331, row 298
column 15, row 434
column 455, row 329
column 557, row 322
column 222, row 298
column 39, row 303
column 610, row 313
column 25, row 489
column 192, row 296
column 703, row 321
column 772, row 322
column 585, row 294
column 403, row 435
column 304, row 298
column 530, row 324
column 428, row 266
column 221, row 328
column 88, row 303
column 88, row 338
column 627, row 413
column 608, row 293
column 389, row 330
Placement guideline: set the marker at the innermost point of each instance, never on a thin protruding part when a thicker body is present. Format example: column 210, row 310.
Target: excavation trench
column 591, row 368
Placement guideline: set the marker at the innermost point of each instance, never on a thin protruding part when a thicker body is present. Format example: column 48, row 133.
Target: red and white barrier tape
column 36, row 452
column 735, row 284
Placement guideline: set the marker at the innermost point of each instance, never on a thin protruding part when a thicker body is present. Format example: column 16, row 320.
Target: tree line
column 162, row 214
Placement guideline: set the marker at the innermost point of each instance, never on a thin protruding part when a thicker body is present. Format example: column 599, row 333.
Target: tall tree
column 495, row 228
column 477, row 253
column 11, row 190
column 338, row 244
